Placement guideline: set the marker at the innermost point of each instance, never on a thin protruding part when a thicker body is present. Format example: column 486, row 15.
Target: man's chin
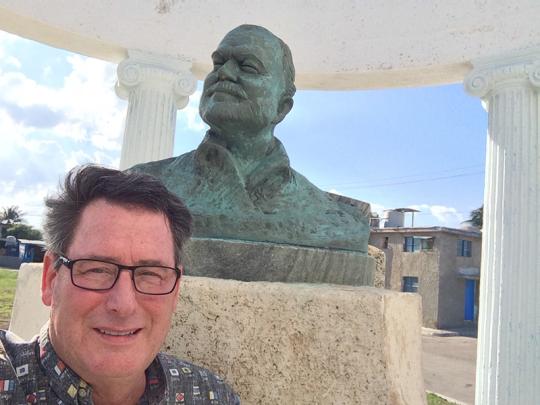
column 223, row 116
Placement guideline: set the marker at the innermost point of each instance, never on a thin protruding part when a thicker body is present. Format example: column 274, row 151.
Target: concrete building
column 441, row 264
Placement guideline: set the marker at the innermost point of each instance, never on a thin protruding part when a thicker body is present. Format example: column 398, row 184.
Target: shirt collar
column 71, row 388
column 66, row 384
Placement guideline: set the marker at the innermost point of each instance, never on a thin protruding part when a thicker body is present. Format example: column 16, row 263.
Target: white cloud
column 29, row 200
column 377, row 208
column 190, row 114
column 445, row 216
column 334, row 191
column 46, row 130
column 13, row 61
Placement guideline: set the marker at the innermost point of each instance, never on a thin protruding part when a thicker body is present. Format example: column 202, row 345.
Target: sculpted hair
column 88, row 183
column 287, row 59
column 288, row 68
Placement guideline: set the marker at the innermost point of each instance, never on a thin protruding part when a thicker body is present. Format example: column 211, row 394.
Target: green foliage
column 8, row 280
column 11, row 215
column 477, row 217
column 433, row 399
column 23, row 231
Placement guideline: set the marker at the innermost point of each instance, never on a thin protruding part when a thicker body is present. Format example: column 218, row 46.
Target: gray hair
column 88, row 183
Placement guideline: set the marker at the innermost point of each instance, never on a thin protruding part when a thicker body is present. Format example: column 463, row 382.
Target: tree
column 23, row 231
column 477, row 216
column 11, row 215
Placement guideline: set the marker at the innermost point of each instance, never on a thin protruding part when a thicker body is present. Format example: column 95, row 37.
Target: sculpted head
column 251, row 86
column 108, row 319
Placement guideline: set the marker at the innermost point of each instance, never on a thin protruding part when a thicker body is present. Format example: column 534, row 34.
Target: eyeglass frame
column 69, row 263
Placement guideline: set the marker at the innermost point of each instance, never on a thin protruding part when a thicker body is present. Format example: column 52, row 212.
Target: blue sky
column 414, row 147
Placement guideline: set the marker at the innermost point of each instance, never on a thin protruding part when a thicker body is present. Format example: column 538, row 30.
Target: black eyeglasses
column 100, row 275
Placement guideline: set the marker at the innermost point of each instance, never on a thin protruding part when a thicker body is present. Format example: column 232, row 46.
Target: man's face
column 83, row 323
column 244, row 91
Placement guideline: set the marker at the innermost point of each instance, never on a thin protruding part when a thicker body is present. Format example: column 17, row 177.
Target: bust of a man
column 239, row 183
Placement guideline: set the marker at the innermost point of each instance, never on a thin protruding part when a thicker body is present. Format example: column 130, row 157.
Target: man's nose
column 122, row 298
column 228, row 71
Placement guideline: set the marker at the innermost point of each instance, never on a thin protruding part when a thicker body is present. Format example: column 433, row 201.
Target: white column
column 155, row 87
column 508, row 361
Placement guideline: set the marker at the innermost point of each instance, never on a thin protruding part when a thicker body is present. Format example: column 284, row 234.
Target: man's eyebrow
column 237, row 53
column 145, row 262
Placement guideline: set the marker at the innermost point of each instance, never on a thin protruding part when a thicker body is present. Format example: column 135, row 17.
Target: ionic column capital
column 521, row 68
column 160, row 73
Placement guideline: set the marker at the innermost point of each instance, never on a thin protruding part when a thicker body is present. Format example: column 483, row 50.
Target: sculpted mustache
column 229, row 88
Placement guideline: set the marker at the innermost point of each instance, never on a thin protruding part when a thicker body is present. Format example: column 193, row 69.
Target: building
column 14, row 251
column 441, row 264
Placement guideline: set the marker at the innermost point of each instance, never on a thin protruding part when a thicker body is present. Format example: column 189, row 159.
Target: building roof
column 32, row 242
column 423, row 230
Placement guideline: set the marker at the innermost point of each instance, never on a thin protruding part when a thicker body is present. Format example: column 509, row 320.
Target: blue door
column 470, row 286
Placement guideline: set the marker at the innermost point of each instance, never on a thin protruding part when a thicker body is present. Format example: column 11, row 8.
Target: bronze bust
column 239, row 183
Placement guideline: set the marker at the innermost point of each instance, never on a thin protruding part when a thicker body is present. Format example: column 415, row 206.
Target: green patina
column 239, row 183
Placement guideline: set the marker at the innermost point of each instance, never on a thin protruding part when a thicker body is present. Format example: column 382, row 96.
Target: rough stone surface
column 377, row 254
column 28, row 313
column 280, row 343
column 256, row 261
column 303, row 343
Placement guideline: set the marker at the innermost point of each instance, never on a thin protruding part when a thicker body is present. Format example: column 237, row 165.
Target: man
column 239, row 183
column 111, row 277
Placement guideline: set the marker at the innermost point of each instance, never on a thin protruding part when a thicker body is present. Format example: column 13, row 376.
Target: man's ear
column 48, row 278
column 285, row 105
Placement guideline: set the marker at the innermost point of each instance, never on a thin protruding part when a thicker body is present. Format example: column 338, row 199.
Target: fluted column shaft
column 155, row 87
column 508, row 360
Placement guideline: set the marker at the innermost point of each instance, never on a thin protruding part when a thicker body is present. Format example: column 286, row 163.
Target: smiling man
column 111, row 276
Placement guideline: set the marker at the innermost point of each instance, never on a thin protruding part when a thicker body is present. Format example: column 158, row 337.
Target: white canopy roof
column 348, row 44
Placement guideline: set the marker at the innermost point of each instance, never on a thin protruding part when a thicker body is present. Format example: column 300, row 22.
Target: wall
column 423, row 265
column 451, row 284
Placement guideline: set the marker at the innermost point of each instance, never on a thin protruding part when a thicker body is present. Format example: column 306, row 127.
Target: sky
column 420, row 147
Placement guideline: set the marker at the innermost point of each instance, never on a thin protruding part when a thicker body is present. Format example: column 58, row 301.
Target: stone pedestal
column 508, row 365
column 155, row 87
column 258, row 261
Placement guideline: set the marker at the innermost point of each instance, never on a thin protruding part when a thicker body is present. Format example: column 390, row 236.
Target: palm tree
column 477, row 216
column 11, row 215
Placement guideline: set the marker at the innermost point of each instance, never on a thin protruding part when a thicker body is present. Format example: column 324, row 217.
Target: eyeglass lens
column 97, row 275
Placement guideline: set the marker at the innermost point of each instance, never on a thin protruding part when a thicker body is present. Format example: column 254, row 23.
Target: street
column 449, row 366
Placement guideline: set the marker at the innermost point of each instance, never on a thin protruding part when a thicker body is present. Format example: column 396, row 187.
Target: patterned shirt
column 32, row 373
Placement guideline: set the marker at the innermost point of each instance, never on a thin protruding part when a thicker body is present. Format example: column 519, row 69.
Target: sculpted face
column 243, row 93
column 118, row 332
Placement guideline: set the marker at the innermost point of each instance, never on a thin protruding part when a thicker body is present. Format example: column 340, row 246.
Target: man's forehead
column 250, row 42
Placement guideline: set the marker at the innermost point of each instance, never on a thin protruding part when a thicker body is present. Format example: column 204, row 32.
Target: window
column 417, row 243
column 410, row 284
column 464, row 248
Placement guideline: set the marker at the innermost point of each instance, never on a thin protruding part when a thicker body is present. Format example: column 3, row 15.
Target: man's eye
column 149, row 273
column 96, row 271
column 217, row 63
column 249, row 68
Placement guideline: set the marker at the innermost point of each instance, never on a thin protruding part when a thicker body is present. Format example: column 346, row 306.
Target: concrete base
column 279, row 343
column 258, row 261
